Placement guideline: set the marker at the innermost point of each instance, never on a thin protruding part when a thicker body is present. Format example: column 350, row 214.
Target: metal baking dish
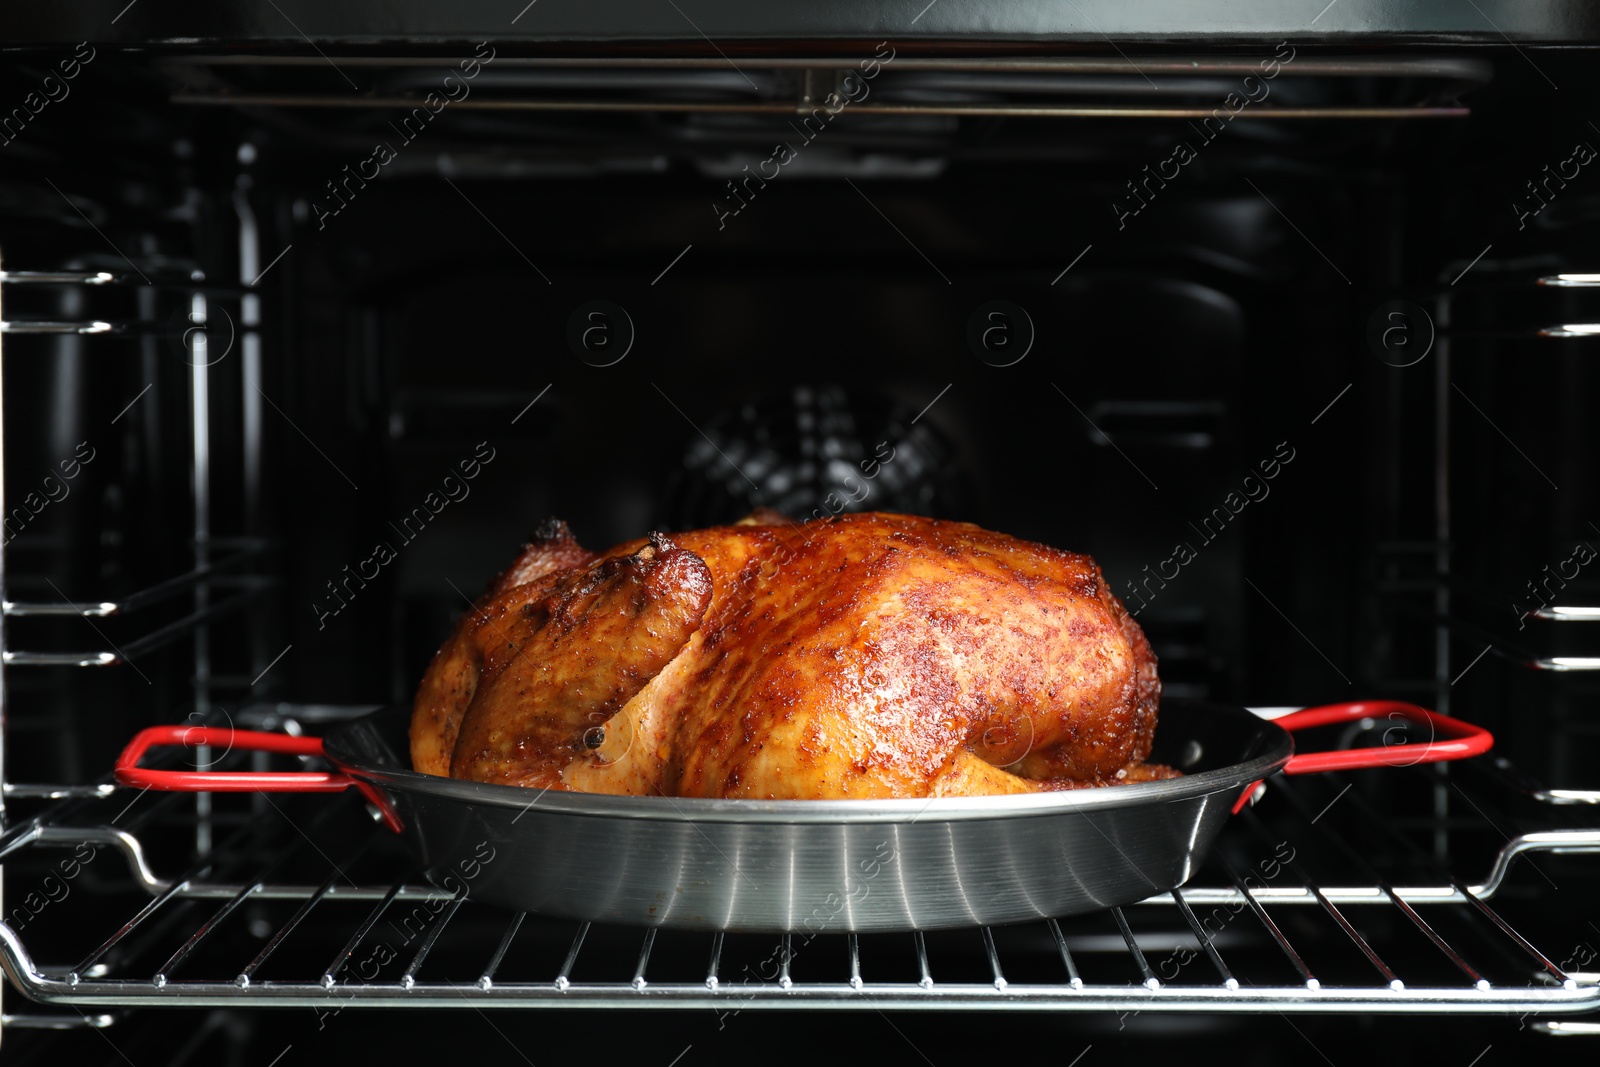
column 809, row 866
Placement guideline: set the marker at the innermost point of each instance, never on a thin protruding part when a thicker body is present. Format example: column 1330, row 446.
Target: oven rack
column 1112, row 961
column 1075, row 87
column 640, row 24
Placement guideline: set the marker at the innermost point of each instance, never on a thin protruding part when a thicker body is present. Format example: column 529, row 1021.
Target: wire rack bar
column 1073, row 981
column 1522, row 942
column 157, row 638
column 994, row 958
column 152, row 594
column 1355, row 857
column 486, row 979
column 1151, row 982
column 1418, row 66
column 562, row 976
column 1204, row 938
column 946, row 996
column 330, row 974
column 177, row 958
column 59, row 327
column 1439, row 942
column 46, row 791
column 785, row 956
column 1568, row 613
column 61, row 277
column 150, row 908
column 185, row 281
column 242, row 981
column 716, row 960
column 55, row 1022
column 925, row 981
column 309, row 100
column 409, row 978
column 644, row 959
column 1275, row 932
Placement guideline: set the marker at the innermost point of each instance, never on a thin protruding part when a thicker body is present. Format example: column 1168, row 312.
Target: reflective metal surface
column 187, row 23
column 853, row 865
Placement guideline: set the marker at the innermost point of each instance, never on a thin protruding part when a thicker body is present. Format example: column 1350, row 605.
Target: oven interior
column 245, row 345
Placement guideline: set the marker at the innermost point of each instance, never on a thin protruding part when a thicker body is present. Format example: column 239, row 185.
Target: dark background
column 1228, row 316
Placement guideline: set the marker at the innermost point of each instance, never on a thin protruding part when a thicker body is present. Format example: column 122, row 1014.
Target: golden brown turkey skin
column 862, row 656
column 562, row 654
column 452, row 680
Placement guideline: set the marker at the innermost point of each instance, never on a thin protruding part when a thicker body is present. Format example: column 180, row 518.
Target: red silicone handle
column 129, row 772
column 1449, row 739
column 1462, row 740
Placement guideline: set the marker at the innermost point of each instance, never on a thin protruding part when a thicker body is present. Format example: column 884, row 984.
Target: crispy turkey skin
column 872, row 655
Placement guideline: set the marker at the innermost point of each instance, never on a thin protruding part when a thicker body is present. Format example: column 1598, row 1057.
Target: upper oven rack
column 642, row 25
column 1072, row 86
column 1115, row 961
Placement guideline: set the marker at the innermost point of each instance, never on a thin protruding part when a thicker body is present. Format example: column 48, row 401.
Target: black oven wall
column 1182, row 337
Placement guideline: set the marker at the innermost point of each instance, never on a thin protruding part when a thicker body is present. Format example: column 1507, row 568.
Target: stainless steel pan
column 808, row 866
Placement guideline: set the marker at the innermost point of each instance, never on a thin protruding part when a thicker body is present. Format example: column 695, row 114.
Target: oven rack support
column 227, row 574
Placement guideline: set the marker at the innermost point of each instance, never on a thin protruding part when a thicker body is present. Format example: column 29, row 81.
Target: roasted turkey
column 871, row 655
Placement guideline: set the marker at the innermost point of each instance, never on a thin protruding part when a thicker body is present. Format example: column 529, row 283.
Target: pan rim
column 1277, row 743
